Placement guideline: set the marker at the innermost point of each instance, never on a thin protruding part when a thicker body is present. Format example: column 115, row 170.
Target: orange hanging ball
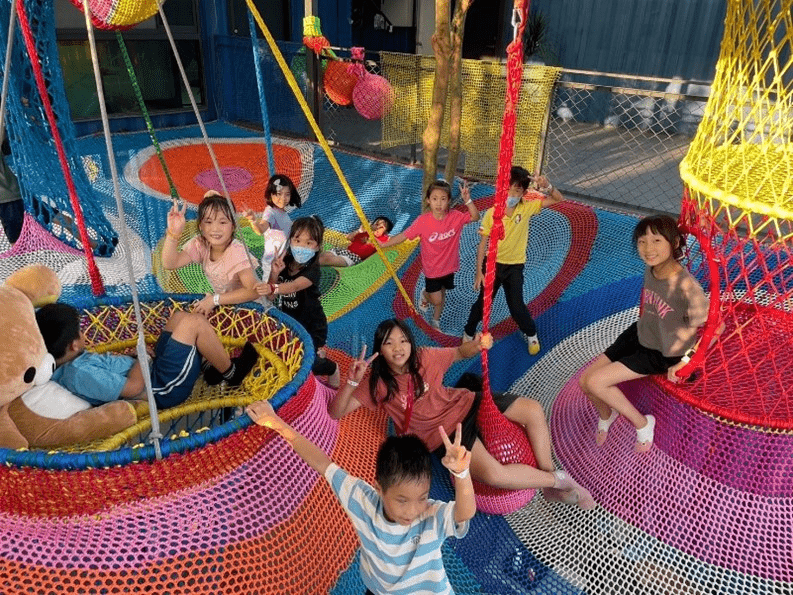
column 339, row 82
column 119, row 14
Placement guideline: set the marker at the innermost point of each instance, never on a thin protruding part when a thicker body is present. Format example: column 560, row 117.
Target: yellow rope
column 290, row 79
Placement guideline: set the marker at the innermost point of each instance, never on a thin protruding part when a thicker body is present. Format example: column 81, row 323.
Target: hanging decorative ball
column 119, row 14
column 373, row 96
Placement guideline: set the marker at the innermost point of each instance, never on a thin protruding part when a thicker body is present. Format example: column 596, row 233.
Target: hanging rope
column 142, row 105
column 268, row 138
column 30, row 44
column 290, row 79
column 143, row 359
column 506, row 151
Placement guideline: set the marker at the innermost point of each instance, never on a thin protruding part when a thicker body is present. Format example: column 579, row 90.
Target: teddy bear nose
column 30, row 374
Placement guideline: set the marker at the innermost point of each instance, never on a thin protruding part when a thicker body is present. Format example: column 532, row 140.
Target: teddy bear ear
column 38, row 282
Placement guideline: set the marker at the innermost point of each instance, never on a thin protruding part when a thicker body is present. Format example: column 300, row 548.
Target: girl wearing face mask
column 511, row 256
column 294, row 278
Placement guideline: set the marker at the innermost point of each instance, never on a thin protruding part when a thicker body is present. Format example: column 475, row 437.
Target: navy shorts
column 175, row 369
column 470, row 430
column 633, row 355
column 437, row 283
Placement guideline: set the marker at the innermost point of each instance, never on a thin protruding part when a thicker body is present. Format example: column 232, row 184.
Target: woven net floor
column 708, row 511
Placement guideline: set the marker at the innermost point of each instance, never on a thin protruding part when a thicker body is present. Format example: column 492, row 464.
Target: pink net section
column 710, row 489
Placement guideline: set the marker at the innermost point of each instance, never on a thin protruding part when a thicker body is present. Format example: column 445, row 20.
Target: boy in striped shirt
column 400, row 528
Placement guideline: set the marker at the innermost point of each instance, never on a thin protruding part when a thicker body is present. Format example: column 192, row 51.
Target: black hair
column 666, row 226
column 437, row 185
column 315, row 228
column 402, row 459
column 281, row 180
column 381, row 370
column 519, row 175
column 214, row 202
column 389, row 225
column 59, row 325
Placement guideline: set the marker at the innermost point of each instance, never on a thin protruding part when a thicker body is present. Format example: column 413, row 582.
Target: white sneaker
column 467, row 338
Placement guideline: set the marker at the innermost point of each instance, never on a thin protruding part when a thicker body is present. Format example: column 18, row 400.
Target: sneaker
column 423, row 305
column 645, row 435
column 534, row 344
column 467, row 338
column 243, row 364
column 212, row 375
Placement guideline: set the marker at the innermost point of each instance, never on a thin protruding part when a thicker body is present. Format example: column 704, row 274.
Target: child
column 224, row 260
column 673, row 307
column 400, row 529
column 275, row 222
column 439, row 230
column 99, row 378
column 511, row 254
column 295, row 277
column 407, row 383
column 360, row 247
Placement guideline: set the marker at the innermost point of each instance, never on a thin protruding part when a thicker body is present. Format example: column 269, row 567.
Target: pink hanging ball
column 373, row 96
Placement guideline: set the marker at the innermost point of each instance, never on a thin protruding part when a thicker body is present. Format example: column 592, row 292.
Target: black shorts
column 432, row 285
column 470, row 429
column 633, row 355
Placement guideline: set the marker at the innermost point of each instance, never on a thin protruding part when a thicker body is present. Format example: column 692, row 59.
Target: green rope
column 149, row 125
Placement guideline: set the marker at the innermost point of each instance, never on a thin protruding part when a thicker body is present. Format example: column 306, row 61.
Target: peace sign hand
column 176, row 219
column 457, row 458
column 359, row 365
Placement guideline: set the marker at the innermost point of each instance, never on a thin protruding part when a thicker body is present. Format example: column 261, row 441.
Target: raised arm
column 458, row 460
column 465, row 192
column 262, row 413
column 552, row 195
column 172, row 258
column 344, row 402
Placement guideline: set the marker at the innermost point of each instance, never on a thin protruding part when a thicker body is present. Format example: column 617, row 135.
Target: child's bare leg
column 515, row 476
column 529, row 414
column 599, row 383
column 193, row 329
column 437, row 299
column 329, row 259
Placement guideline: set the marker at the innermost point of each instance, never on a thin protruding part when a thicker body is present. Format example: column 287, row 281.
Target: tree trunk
column 455, row 87
column 441, row 45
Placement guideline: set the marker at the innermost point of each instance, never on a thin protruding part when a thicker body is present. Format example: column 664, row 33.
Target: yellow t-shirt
column 512, row 248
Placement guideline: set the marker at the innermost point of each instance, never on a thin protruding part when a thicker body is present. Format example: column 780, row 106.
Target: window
column 153, row 62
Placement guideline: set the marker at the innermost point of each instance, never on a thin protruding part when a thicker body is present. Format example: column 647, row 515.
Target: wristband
column 275, row 288
column 547, row 190
column 468, row 202
column 216, row 299
column 171, row 235
column 461, row 475
column 352, row 382
column 272, row 288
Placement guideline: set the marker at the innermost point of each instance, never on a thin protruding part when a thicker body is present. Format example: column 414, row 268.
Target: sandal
column 645, row 435
column 423, row 304
column 603, row 428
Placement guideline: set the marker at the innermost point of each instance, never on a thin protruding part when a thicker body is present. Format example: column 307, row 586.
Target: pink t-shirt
column 440, row 241
column 223, row 274
column 438, row 406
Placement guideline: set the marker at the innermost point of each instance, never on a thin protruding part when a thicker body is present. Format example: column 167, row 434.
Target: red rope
column 30, row 44
column 506, row 151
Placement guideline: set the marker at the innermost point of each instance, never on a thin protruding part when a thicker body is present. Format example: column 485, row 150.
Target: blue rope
column 268, row 138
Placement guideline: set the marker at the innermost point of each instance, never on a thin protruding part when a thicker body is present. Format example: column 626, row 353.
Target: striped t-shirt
column 396, row 559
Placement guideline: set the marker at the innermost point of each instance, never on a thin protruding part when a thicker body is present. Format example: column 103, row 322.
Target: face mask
column 512, row 201
column 302, row 254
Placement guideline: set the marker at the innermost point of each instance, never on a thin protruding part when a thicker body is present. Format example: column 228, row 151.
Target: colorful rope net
column 739, row 179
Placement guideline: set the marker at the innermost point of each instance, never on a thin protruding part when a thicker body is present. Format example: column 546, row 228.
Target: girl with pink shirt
column 439, row 229
column 407, row 383
column 223, row 259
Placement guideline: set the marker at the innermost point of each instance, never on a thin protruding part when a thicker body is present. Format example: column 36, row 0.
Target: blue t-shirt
column 96, row 377
column 396, row 559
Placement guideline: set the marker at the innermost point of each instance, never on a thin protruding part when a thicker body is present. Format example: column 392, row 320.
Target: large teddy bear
column 34, row 411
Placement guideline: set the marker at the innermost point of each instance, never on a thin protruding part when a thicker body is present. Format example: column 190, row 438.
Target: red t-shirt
column 361, row 247
column 440, row 241
column 438, row 406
